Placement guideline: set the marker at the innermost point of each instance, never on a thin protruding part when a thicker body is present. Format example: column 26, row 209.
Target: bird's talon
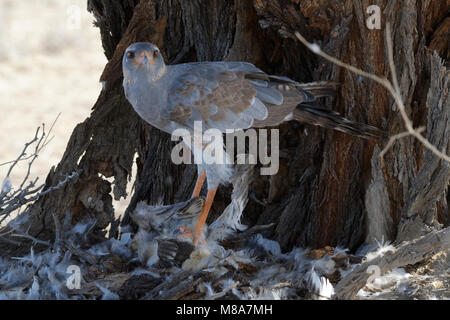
column 198, row 239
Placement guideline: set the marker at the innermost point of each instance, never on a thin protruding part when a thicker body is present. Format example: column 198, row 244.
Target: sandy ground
column 50, row 62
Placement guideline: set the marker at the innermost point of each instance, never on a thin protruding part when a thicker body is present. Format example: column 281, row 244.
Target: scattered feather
column 107, row 294
column 6, row 186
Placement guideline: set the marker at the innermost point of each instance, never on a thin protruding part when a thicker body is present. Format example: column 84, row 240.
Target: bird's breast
column 148, row 102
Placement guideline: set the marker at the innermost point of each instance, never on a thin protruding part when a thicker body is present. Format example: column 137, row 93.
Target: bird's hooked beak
column 144, row 58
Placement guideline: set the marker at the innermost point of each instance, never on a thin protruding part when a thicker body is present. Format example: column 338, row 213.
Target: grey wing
column 223, row 95
column 174, row 252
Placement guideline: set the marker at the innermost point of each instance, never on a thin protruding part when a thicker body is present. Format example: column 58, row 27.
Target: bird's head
column 143, row 58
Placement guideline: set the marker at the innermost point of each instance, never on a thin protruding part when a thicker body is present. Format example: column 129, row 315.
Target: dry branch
column 409, row 253
column 28, row 191
column 393, row 89
column 30, row 194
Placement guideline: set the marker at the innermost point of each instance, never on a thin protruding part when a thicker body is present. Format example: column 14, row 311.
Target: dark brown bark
column 332, row 188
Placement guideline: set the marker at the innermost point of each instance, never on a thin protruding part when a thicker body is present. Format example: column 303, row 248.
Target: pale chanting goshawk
column 222, row 95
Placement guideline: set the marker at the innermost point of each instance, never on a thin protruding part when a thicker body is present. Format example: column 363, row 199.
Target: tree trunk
column 332, row 188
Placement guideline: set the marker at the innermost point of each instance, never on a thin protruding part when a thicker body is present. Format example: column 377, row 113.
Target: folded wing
column 223, row 95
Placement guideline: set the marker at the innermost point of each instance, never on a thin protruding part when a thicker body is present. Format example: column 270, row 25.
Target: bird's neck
column 156, row 76
column 148, row 98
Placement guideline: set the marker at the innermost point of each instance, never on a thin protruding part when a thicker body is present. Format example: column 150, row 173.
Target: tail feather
column 319, row 89
column 303, row 112
column 333, row 120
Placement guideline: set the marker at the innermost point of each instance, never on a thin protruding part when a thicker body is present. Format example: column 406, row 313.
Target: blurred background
column 50, row 62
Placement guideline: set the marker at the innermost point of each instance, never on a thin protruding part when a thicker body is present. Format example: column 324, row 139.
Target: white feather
column 270, row 246
column 6, row 186
column 107, row 294
column 33, row 294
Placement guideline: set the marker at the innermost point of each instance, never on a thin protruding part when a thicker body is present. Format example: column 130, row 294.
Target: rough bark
column 409, row 253
column 419, row 214
column 332, row 188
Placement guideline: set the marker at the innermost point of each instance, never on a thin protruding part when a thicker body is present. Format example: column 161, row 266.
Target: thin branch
column 46, row 141
column 23, row 154
column 28, row 191
column 27, row 236
column 394, row 90
column 40, row 147
column 390, row 51
column 39, row 195
column 395, row 138
column 17, row 243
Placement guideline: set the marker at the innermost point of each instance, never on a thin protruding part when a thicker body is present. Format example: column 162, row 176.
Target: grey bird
column 161, row 237
column 222, row 95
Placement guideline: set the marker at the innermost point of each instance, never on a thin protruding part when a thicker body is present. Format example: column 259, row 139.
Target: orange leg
column 199, row 184
column 202, row 219
column 186, row 232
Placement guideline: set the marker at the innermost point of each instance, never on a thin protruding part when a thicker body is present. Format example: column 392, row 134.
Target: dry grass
column 47, row 66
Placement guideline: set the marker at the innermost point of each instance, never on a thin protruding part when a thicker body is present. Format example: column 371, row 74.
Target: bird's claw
column 198, row 239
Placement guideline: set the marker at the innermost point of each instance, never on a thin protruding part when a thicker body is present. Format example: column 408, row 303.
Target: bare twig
column 20, row 200
column 45, row 142
column 23, row 155
column 395, row 138
column 393, row 89
column 17, row 243
column 27, row 236
column 28, row 190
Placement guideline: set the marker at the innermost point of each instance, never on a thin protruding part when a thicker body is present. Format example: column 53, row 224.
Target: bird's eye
column 156, row 54
column 131, row 54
